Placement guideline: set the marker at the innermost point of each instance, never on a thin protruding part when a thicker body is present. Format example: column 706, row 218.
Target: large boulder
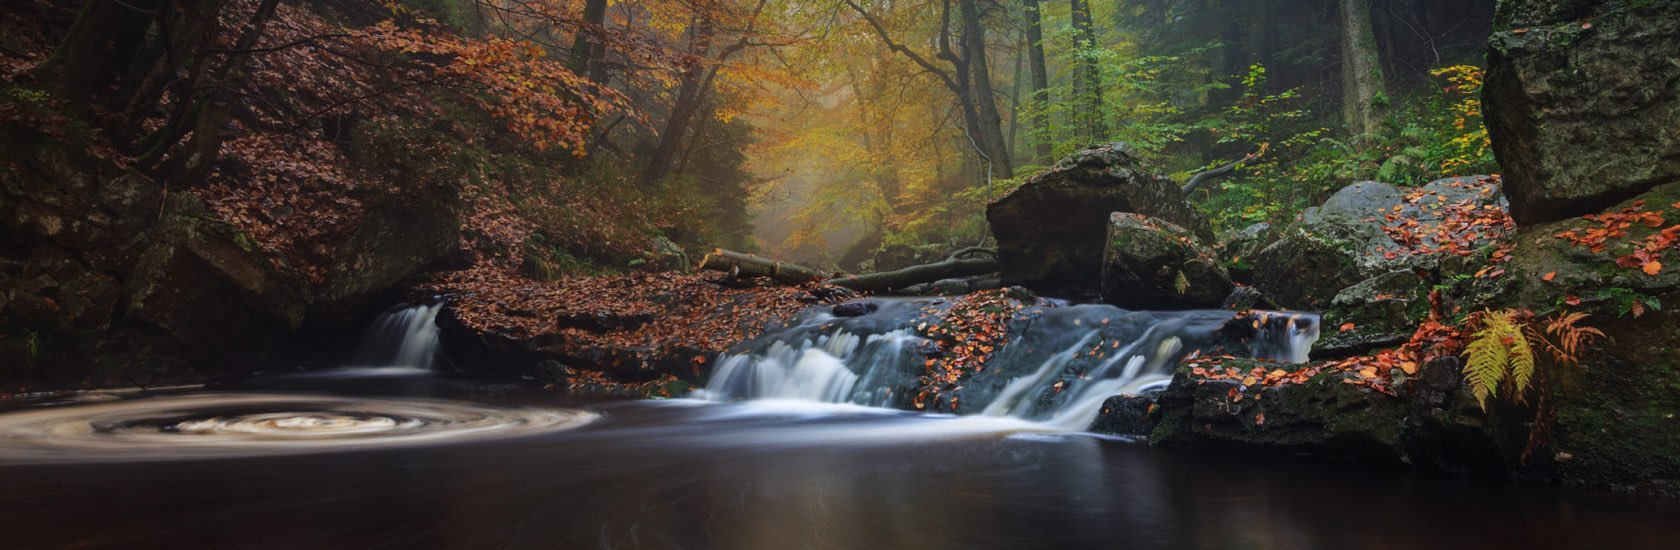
column 1154, row 264
column 1050, row 230
column 1583, row 99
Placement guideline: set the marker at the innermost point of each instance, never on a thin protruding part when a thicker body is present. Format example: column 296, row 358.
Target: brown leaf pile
column 630, row 325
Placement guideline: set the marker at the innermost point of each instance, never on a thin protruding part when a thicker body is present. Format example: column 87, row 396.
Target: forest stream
column 840, row 274
column 785, row 448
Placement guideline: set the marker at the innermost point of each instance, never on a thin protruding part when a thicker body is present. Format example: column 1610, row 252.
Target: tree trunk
column 1040, row 84
column 740, row 264
column 888, row 281
column 1087, row 77
column 1362, row 74
column 989, row 134
column 94, row 52
column 584, row 46
column 215, row 106
column 686, row 104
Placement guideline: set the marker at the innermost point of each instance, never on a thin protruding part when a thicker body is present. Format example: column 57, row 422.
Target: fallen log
column 740, row 264
column 955, row 266
column 1203, row 178
column 887, row 281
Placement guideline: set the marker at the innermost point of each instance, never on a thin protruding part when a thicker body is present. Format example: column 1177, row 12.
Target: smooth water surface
column 777, row 475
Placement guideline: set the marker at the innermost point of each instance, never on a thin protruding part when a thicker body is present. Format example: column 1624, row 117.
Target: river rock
column 1582, row 102
column 1329, row 248
column 1154, row 264
column 1050, row 230
column 1127, row 415
column 1382, row 311
column 1440, row 429
column 1237, row 247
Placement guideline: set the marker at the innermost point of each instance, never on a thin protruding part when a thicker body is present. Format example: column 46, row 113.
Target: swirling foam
column 214, row 425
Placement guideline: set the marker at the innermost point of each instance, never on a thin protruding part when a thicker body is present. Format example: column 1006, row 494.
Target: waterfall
column 402, row 337
column 1058, row 367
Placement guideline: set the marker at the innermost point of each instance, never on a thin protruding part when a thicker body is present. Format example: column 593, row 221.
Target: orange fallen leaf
column 1653, row 267
column 1260, row 419
column 1409, row 367
column 1572, row 300
column 1549, row 276
column 1347, row 327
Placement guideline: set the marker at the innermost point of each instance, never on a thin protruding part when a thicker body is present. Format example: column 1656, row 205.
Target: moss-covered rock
column 1424, row 422
column 1617, row 419
column 1582, row 98
column 1322, row 417
column 1050, row 230
column 1153, row 264
column 1378, row 312
column 1329, row 248
column 1351, row 238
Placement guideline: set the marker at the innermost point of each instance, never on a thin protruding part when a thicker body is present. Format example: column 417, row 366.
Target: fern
column 1486, row 365
column 1522, row 360
column 1570, row 337
column 1497, row 352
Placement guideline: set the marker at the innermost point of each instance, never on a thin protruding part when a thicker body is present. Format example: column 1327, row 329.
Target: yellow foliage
column 1501, row 354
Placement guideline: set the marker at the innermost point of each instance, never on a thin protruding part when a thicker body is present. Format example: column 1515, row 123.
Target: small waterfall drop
column 402, row 337
column 1058, row 367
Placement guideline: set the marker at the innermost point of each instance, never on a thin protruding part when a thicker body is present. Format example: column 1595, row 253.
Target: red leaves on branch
column 540, row 99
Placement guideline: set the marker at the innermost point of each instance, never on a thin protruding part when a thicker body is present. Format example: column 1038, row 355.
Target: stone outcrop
column 1430, row 424
column 1153, row 264
column 109, row 280
column 1582, row 102
column 1050, row 230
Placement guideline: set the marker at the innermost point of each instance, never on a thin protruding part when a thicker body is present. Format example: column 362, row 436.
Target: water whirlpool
column 212, row 425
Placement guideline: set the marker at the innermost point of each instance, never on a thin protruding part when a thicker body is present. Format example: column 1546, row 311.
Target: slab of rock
column 1050, row 230
column 1154, row 264
column 1583, row 103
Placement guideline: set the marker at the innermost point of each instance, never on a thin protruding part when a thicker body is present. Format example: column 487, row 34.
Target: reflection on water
column 775, row 475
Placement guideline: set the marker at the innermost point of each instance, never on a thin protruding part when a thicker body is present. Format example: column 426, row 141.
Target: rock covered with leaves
column 608, row 334
column 1581, row 103
column 1050, row 230
column 1153, row 264
column 1370, row 229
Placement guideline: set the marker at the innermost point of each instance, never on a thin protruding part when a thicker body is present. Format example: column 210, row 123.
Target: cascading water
column 402, row 337
column 1058, row 367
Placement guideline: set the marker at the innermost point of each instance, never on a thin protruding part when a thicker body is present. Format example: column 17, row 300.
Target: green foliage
column 1428, row 135
column 1626, row 301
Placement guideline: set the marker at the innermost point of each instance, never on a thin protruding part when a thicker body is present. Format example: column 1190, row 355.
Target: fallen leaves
column 645, row 322
column 1427, row 223
column 964, row 336
column 1644, row 255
